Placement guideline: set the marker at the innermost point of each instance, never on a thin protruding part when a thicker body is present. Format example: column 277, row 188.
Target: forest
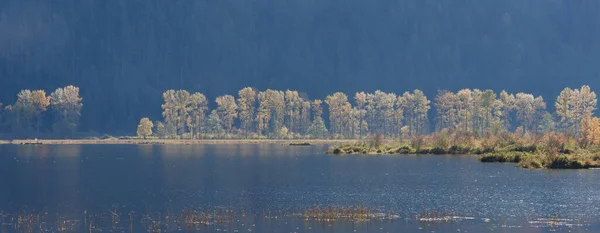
column 27, row 117
column 289, row 115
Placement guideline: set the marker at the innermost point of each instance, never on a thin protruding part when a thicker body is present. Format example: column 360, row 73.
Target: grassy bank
column 171, row 142
column 583, row 159
column 544, row 151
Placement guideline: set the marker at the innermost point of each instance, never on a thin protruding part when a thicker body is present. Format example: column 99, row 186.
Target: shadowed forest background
column 124, row 54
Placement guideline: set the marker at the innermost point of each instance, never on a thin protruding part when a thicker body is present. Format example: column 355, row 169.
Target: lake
column 280, row 188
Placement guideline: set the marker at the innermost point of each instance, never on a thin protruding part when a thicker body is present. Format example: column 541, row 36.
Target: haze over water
column 276, row 180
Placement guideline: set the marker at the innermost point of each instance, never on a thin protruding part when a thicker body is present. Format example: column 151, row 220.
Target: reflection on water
column 277, row 188
column 224, row 220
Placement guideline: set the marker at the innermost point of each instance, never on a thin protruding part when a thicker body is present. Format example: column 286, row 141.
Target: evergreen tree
column 317, row 129
column 213, row 124
column 161, row 130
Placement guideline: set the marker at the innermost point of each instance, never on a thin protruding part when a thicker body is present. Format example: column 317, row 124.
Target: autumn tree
column 246, row 104
column 263, row 115
column 317, row 108
column 276, row 103
column 66, row 105
column 40, row 104
column 144, row 128
column 572, row 105
column 26, row 113
column 283, row 132
column 196, row 113
column 506, row 109
column 182, row 103
column 305, row 111
column 529, row 111
column 383, row 108
column 317, row 129
column 169, row 113
column 590, row 131
column 271, row 112
column 445, row 104
column 337, row 106
column 22, row 112
column 227, row 110
column 293, row 107
column 416, row 106
column 360, row 100
column 583, row 103
column 563, row 109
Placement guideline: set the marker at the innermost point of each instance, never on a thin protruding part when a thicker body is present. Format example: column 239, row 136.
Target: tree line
column 27, row 116
column 290, row 114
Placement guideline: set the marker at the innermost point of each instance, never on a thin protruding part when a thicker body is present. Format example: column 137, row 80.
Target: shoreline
column 294, row 142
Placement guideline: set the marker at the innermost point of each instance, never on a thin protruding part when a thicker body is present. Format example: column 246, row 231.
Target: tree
column 505, row 109
column 40, row 104
column 530, row 110
column 582, row 103
column 66, row 104
column 465, row 110
column 246, row 105
column 317, row 129
column 337, row 106
column 161, row 130
column 360, row 99
column 283, row 132
column 590, row 131
column 383, row 104
column 196, row 111
column 170, row 112
column 525, row 110
column 317, row 108
column 547, row 124
column 416, row 106
column 263, row 115
column 304, row 116
column 445, row 104
column 573, row 105
column 182, row 103
column 213, row 123
column 563, row 108
column 293, row 107
column 227, row 110
column 144, row 129
column 22, row 113
column 276, row 103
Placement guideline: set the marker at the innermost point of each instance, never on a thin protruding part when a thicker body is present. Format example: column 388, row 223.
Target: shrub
column 417, row 142
column 565, row 162
column 441, row 140
column 376, row 140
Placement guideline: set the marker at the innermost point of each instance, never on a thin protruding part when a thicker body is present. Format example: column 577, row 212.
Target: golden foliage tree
column 67, row 105
column 246, row 103
column 590, row 131
column 144, row 128
column 227, row 110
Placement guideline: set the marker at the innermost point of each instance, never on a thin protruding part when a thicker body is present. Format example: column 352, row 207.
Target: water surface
column 264, row 185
